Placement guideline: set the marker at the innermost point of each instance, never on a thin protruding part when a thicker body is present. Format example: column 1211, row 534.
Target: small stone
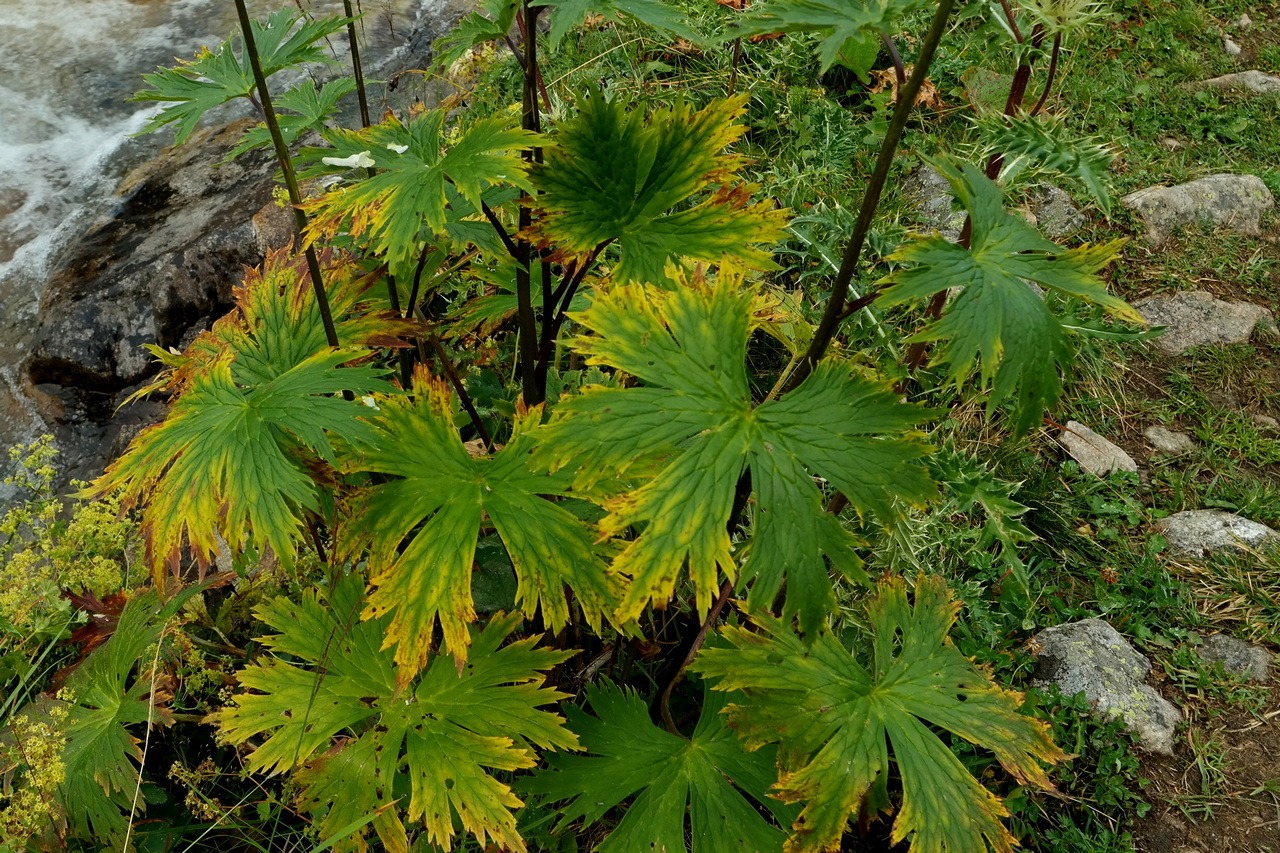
column 1195, row 318
column 1237, row 657
column 1168, row 441
column 1171, row 143
column 1244, row 22
column 1094, row 453
column 1253, row 81
column 1201, row 532
column 930, row 194
column 1231, row 48
column 1226, row 201
column 1093, row 658
column 1266, row 422
column 1054, row 212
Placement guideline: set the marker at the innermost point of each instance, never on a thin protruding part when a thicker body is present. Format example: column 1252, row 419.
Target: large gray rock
column 1250, row 662
column 1056, row 215
column 1226, row 201
column 1093, row 658
column 1094, row 453
column 1195, row 318
column 1256, row 82
column 930, row 196
column 1200, row 532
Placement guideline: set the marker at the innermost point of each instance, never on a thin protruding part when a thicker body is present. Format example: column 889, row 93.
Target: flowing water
column 65, row 127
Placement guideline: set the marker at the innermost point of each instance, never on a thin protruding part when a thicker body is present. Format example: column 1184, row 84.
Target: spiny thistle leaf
column 567, row 14
column 661, row 187
column 703, row 782
column 997, row 319
column 831, row 717
column 215, row 77
column 845, row 27
column 412, row 165
column 694, row 419
column 361, row 745
column 1041, row 143
column 421, row 528
column 302, row 108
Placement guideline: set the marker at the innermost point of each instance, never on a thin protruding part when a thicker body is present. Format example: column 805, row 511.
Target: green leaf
column 693, row 421
column 567, row 14
column 360, row 745
column 213, row 78
column 682, row 788
column 303, row 108
column 661, row 188
column 413, row 163
column 492, row 22
column 835, row 722
column 997, row 320
column 1040, row 142
column 836, row 23
column 422, row 526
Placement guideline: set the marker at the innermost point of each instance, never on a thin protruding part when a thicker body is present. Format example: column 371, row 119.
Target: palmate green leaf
column 660, row 187
column 997, row 320
column 492, row 22
column 682, row 788
column 301, row 109
column 844, row 27
column 102, row 757
column 213, row 78
column 421, row 528
column 225, row 461
column 694, row 420
column 412, row 164
column 1041, row 142
column 361, row 745
column 835, row 722
column 567, row 14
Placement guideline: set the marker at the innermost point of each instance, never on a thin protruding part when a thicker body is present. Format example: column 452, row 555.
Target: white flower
column 363, row 160
column 399, row 149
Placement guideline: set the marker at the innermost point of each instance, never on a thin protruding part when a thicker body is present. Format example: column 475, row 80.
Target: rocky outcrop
column 1201, row 532
column 1227, row 201
column 1255, row 82
column 1196, row 318
column 1093, row 658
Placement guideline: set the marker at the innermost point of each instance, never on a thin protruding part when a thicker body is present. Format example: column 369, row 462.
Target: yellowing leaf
column 661, row 187
column 421, row 528
column 834, row 721
column 361, row 745
column 694, row 422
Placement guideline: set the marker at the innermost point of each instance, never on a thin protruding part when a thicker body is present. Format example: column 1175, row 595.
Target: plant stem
column 899, row 70
column 664, row 702
column 532, row 392
column 734, row 59
column 463, row 397
column 831, row 317
column 286, row 169
column 1052, row 73
column 1012, row 19
column 356, row 67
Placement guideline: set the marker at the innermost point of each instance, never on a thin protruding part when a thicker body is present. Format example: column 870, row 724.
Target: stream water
column 65, row 128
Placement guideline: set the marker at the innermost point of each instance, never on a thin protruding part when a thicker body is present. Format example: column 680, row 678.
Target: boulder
column 1093, row 658
column 1201, row 532
column 1195, row 318
column 1227, row 201
column 1056, row 215
column 1257, row 82
column 930, row 197
column 1168, row 441
column 1094, row 453
column 1250, row 662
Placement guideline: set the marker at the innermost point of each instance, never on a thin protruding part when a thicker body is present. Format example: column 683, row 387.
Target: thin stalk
column 1052, row 73
column 463, row 397
column 664, row 702
column 531, row 391
column 830, row 322
column 734, row 59
column 356, row 67
column 1012, row 19
column 500, row 228
column 554, row 315
column 899, row 70
column 286, row 169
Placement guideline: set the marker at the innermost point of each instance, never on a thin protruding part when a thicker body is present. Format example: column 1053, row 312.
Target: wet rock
column 1169, row 441
column 1094, row 453
column 1228, row 201
column 1196, row 318
column 1201, row 532
column 1093, row 658
column 1055, row 214
column 1257, row 82
column 1250, row 662
column 930, row 196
